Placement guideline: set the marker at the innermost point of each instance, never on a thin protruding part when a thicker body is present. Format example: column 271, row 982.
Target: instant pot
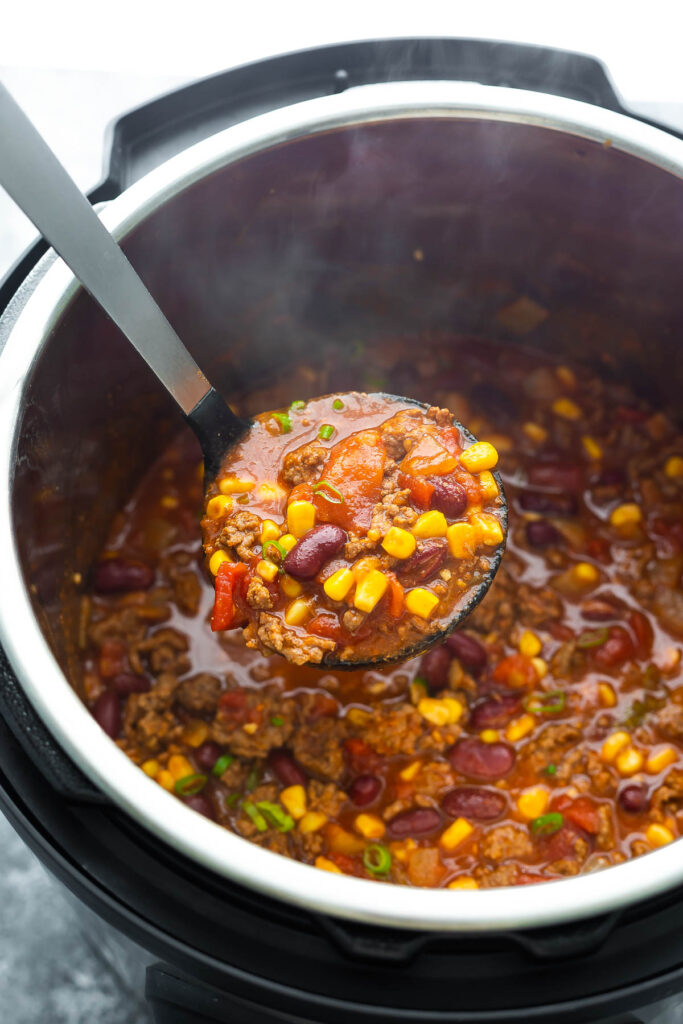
column 373, row 189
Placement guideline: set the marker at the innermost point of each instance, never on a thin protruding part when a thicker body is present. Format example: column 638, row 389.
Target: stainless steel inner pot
column 389, row 209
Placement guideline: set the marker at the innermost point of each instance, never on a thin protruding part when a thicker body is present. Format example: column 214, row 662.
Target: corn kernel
column 479, row 456
column 294, row 800
column 591, row 447
column 410, row 771
column 566, row 377
column 166, row 780
column 566, row 409
column 359, row 717
column 179, row 767
column 659, row 835
column 233, row 485
column 614, row 744
column 462, row 540
column 488, row 485
column 422, row 602
column 627, row 514
column 520, row 727
column 660, row 759
column 608, row 697
column 169, row 501
column 535, row 432
column 463, row 882
column 297, row 612
column 398, row 543
column 370, row 590
column 195, row 733
column 541, row 666
column 269, row 531
column 328, row 865
column 218, row 506
column 585, row 574
column 270, row 492
column 532, row 802
column 338, row 584
column 440, row 712
column 250, row 728
column 370, row 826
column 401, row 850
column 287, row 541
column 430, row 524
column 489, row 735
column 312, row 821
column 529, row 644
column 290, row 587
column 216, row 561
column 300, row 517
column 267, row 570
column 487, row 528
column 673, row 466
column 456, row 834
column 363, row 566
column 151, row 768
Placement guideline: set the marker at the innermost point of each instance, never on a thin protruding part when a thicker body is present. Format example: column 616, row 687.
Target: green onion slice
column 278, row 547
column 326, row 432
column 255, row 815
column 298, row 404
column 337, row 404
column 253, row 779
column 555, row 702
column 284, row 421
column 222, row 764
column 551, row 769
column 319, row 489
column 190, row 784
column 275, row 816
column 593, row 638
column 377, row 859
column 547, row 824
column 277, row 721
column 233, row 799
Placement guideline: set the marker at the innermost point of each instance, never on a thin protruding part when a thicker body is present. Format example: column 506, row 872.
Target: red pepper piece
column 223, row 613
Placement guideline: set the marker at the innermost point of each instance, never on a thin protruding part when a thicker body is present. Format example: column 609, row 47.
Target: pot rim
column 46, row 686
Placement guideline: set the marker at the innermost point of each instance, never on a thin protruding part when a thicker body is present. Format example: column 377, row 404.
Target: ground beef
column 400, row 729
column 326, row 798
column 272, row 635
column 303, row 465
column 199, row 693
column 668, row 799
column 356, row 546
column 241, row 532
column 187, row 592
column 506, row 842
column 164, row 651
column 669, row 722
column 258, row 595
column 605, row 837
column 264, row 722
column 122, row 625
column 317, row 746
column 588, row 763
column 149, row 722
column 550, row 745
column 537, row 606
column 390, row 511
column 494, row 878
column 353, row 619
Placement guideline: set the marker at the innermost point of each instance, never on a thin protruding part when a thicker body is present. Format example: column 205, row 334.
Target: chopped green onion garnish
column 337, row 404
column 253, row 779
column 319, row 488
column 190, row 784
column 548, row 704
column 326, row 432
column 255, row 815
column 275, row 816
column 277, row 720
column 547, row 824
column 651, row 677
column 593, row 638
column 233, row 799
column 377, row 859
column 551, row 769
column 298, row 405
column 278, row 547
column 284, row 421
column 222, row 764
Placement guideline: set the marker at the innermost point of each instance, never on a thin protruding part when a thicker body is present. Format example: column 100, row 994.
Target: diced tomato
column 327, row 625
column 323, row 705
column 396, row 597
column 113, row 659
column 450, row 438
column 516, row 671
column 428, row 458
column 223, row 614
column 562, row 844
column 348, row 865
column 420, row 490
column 526, row 879
column 302, row 492
column 362, row 758
column 642, row 631
column 356, row 468
column 582, row 812
column 233, row 705
column 425, row 867
column 599, row 548
column 470, row 483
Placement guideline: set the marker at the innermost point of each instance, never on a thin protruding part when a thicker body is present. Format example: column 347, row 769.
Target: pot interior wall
column 405, row 227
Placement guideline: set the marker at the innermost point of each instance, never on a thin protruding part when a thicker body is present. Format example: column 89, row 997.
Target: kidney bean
column 434, row 667
column 126, row 683
column 364, row 790
column 495, row 712
column 288, row 771
column 425, row 562
column 542, row 534
column 562, row 477
column 207, row 754
column 468, row 651
column 116, row 574
column 480, row 760
column 474, row 802
column 448, row 497
column 613, row 477
column 599, row 610
column 563, row 842
column 548, row 504
column 617, row 648
column 419, row 821
column 308, row 556
column 199, row 803
column 634, row 798
column 107, row 713
column 642, row 631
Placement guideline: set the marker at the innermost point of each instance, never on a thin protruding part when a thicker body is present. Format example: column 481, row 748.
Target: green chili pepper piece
column 557, row 698
column 278, row 547
column 253, row 779
column 255, row 815
column 547, row 824
column 377, row 859
column 284, row 421
column 275, row 816
column 190, row 784
column 222, row 764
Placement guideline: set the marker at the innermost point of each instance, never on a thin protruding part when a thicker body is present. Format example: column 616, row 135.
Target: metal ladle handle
column 41, row 187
